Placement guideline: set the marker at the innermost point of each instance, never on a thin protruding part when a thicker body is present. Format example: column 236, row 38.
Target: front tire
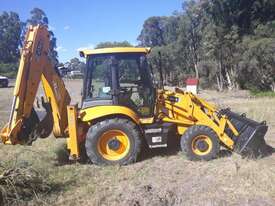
column 113, row 141
column 200, row 143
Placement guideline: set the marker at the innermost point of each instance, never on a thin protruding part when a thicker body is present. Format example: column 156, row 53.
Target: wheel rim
column 201, row 145
column 113, row 145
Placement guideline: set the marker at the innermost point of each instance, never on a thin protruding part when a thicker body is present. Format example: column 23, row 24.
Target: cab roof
column 88, row 52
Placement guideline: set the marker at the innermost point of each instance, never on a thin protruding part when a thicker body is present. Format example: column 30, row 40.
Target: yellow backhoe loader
column 122, row 109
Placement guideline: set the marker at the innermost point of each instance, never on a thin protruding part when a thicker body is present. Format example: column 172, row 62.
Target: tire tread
column 99, row 127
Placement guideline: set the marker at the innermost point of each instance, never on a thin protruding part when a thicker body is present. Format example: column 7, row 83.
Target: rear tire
column 200, row 143
column 113, row 141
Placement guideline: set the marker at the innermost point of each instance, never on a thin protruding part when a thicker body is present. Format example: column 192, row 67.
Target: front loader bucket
column 250, row 142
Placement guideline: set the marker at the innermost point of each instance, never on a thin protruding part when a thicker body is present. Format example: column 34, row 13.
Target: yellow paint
column 36, row 66
column 149, row 120
column 9, row 136
column 29, row 73
column 181, row 129
column 72, row 141
column 204, row 138
column 58, row 96
column 233, row 129
column 191, row 110
column 4, row 133
column 113, row 154
column 88, row 52
column 93, row 113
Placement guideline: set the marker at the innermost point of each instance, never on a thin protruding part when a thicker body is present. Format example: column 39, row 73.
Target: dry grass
column 20, row 184
column 164, row 177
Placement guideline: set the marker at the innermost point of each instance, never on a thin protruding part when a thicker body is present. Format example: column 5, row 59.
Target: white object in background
column 192, row 85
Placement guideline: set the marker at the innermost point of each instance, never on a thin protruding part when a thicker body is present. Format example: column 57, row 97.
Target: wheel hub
column 114, row 144
column 202, row 145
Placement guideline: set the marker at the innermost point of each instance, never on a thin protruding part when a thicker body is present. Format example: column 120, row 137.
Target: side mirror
column 81, row 54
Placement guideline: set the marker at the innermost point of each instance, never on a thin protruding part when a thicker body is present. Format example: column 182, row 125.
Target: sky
column 85, row 23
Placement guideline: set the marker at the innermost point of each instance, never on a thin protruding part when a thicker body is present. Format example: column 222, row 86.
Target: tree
column 229, row 24
column 10, row 30
column 190, row 35
column 159, row 31
column 75, row 65
column 258, row 60
column 38, row 16
column 113, row 44
column 170, row 28
column 219, row 35
column 152, row 32
column 227, row 44
column 172, row 70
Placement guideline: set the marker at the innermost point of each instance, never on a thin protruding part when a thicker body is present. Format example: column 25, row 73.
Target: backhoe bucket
column 250, row 142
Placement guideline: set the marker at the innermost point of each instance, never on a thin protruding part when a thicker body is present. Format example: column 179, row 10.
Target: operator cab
column 118, row 76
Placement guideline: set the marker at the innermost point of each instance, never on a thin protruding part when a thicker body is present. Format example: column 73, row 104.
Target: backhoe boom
column 36, row 66
column 121, row 109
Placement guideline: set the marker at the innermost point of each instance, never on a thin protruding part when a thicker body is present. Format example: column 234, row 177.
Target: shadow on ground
column 10, row 86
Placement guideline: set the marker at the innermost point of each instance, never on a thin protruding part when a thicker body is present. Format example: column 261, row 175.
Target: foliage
column 10, row 30
column 227, row 44
column 257, row 93
column 9, row 69
column 158, row 31
column 258, row 60
column 113, row 44
column 38, row 16
column 75, row 65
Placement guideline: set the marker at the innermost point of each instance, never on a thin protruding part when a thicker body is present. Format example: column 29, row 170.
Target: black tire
column 4, row 84
column 124, row 125
column 189, row 143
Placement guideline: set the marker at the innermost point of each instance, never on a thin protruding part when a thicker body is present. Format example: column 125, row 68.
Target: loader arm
column 236, row 132
column 35, row 66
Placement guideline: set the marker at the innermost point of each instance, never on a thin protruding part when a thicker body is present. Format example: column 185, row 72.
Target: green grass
column 258, row 93
column 160, row 178
column 8, row 70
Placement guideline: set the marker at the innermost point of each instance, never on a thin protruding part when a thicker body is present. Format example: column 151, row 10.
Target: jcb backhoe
column 121, row 109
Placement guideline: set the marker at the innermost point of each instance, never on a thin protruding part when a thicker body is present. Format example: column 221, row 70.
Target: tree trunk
column 220, row 75
column 273, row 86
column 219, row 82
column 229, row 81
column 196, row 70
column 194, row 60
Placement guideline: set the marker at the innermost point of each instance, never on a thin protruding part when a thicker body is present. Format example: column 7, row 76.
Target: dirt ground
column 163, row 177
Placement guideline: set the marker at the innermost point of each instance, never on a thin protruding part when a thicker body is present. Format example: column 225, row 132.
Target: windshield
column 124, row 78
column 132, row 68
